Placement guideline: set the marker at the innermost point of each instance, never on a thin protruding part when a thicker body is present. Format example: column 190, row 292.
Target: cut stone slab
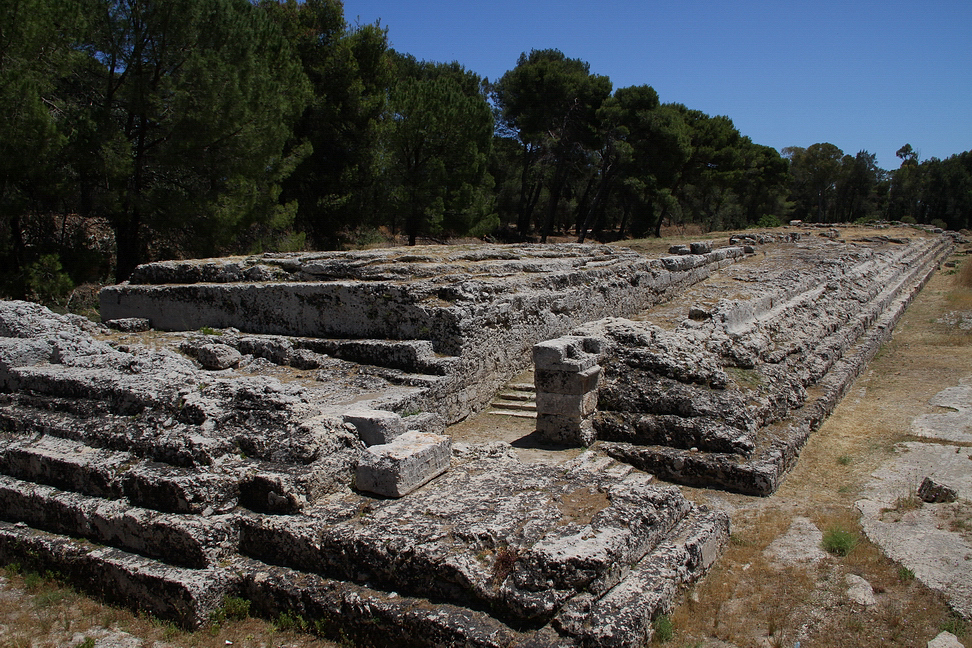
column 949, row 426
column 376, row 427
column 800, row 544
column 409, row 461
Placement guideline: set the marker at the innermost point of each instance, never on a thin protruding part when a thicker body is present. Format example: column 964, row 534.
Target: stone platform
column 468, row 315
column 721, row 386
column 275, row 427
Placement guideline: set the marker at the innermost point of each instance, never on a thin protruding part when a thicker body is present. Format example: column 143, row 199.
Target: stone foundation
column 301, row 458
column 725, row 393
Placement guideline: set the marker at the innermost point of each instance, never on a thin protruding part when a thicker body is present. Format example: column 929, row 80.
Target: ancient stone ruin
column 276, row 427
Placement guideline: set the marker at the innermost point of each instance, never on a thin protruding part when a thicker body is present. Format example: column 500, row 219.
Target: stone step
column 525, row 387
column 187, row 597
column 521, row 395
column 184, row 540
column 402, row 545
column 523, row 406
column 513, row 413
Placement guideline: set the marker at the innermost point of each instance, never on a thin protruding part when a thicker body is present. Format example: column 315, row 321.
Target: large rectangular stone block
column 563, row 354
column 567, row 382
column 376, row 427
column 396, row 469
column 565, row 430
column 567, row 404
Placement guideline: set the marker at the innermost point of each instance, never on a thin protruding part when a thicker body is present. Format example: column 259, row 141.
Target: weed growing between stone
column 839, row 541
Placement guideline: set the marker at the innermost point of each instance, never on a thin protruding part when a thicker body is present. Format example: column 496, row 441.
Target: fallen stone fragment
column 945, row 639
column 218, row 356
column 397, row 468
column 859, row 590
column 933, row 492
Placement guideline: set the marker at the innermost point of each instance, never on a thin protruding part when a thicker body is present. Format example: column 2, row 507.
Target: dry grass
column 39, row 611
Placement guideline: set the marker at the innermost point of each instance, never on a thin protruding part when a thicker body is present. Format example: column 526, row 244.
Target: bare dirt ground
column 774, row 586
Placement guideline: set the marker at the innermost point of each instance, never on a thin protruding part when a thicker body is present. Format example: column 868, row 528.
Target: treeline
column 205, row 127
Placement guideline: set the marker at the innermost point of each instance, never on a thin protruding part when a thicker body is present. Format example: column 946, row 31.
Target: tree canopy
column 205, row 127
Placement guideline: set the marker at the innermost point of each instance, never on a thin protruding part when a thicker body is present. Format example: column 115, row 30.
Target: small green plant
column 169, row 631
column 207, row 330
column 33, row 581
column 956, row 625
column 905, row 575
column 845, row 460
column 236, row 608
column 664, row 628
column 291, row 622
column 87, row 643
column 839, row 541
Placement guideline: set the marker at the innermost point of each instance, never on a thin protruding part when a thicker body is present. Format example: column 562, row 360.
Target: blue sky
column 859, row 74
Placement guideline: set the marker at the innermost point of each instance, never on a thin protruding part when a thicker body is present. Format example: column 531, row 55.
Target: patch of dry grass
column 39, row 611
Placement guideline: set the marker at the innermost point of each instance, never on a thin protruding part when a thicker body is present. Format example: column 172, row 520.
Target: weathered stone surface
column 724, row 400
column 934, row 492
column 129, row 324
column 945, row 639
column 467, row 314
column 218, row 356
column 196, row 482
column 376, row 427
column 406, row 462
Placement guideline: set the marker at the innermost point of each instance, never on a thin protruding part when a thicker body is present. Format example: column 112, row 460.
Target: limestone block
column 565, row 382
column 935, row 493
column 567, row 404
column 701, row 247
column 218, row 356
column 396, row 469
column 376, row 427
column 563, row 354
column 680, row 249
column 559, row 429
column 129, row 324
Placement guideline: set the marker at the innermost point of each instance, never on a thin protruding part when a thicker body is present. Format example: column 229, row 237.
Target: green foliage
column 438, row 145
column 190, row 104
column 46, row 281
column 839, row 541
column 954, row 624
column 234, row 608
column 664, row 628
column 769, row 220
column 905, row 574
column 291, row 622
column 87, row 643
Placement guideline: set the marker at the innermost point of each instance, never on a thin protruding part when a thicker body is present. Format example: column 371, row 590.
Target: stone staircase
column 517, row 399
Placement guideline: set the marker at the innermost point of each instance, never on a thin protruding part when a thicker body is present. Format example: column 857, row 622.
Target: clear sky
column 859, row 74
